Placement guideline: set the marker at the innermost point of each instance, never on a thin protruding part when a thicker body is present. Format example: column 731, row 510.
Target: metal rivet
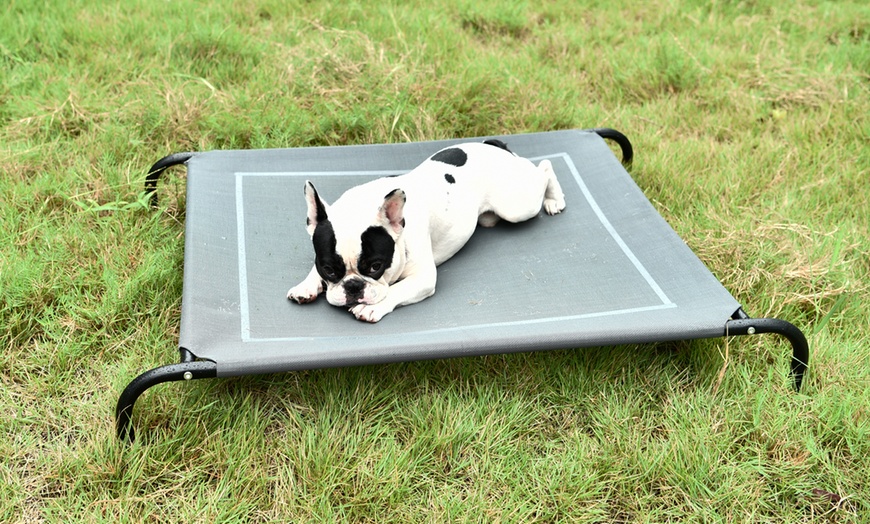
column 188, row 375
column 751, row 330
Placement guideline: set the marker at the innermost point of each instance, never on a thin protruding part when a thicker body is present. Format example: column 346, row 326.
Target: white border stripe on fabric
column 497, row 324
column 613, row 233
column 243, row 263
column 393, row 172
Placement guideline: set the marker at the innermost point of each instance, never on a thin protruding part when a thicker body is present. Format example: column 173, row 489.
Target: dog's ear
column 316, row 208
column 392, row 211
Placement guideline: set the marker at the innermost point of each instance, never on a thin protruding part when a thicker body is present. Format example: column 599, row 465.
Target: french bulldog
column 378, row 246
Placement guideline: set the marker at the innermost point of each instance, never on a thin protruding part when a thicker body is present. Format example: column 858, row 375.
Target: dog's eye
column 375, row 267
column 328, row 271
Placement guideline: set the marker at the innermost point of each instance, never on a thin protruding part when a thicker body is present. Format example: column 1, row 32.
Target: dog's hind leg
column 519, row 192
column 488, row 219
column 554, row 198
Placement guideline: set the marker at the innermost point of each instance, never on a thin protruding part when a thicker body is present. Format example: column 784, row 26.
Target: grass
column 750, row 122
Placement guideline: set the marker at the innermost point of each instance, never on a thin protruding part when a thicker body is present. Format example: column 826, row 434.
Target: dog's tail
column 497, row 143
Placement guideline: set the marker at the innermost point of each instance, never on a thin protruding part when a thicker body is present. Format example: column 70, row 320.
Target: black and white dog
column 378, row 245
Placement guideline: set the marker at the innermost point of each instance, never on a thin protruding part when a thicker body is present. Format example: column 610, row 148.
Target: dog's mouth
column 354, row 292
column 356, row 300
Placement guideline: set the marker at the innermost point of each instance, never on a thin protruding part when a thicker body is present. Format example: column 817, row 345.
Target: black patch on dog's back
column 449, row 178
column 453, row 156
column 377, row 252
column 497, row 143
column 329, row 264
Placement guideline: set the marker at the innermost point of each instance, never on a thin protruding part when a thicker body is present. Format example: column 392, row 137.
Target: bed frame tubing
column 158, row 168
column 190, row 367
column 742, row 324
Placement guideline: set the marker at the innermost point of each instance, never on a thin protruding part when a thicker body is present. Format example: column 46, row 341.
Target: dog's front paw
column 303, row 293
column 371, row 312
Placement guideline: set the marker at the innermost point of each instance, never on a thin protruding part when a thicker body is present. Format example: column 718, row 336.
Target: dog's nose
column 354, row 287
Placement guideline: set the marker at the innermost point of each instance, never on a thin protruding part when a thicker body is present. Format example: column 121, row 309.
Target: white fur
column 439, row 219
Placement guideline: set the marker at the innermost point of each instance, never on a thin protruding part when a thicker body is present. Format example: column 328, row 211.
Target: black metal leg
column 743, row 325
column 186, row 355
column 619, row 138
column 158, row 168
column 173, row 372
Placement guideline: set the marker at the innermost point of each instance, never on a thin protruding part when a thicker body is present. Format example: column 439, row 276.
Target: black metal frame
column 190, row 367
column 742, row 324
column 158, row 168
column 620, row 139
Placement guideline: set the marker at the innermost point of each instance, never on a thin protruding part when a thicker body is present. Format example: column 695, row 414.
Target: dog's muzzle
column 353, row 290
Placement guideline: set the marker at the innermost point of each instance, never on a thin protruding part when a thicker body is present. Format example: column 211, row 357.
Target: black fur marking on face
column 377, row 252
column 497, row 143
column 329, row 264
column 449, row 178
column 453, row 156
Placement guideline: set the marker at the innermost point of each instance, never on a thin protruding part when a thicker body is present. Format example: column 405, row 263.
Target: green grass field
column 750, row 123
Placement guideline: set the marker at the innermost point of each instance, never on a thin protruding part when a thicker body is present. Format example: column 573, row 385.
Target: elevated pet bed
column 607, row 271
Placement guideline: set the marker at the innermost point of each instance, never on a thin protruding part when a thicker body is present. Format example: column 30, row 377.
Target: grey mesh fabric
column 608, row 270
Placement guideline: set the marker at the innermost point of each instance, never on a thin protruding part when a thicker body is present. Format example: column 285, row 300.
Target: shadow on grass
column 653, row 372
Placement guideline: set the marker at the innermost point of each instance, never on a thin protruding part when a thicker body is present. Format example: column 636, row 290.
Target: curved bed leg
column 742, row 324
column 186, row 370
column 619, row 138
column 158, row 168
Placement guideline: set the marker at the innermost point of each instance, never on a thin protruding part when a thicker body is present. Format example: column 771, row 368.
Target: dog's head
column 358, row 250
